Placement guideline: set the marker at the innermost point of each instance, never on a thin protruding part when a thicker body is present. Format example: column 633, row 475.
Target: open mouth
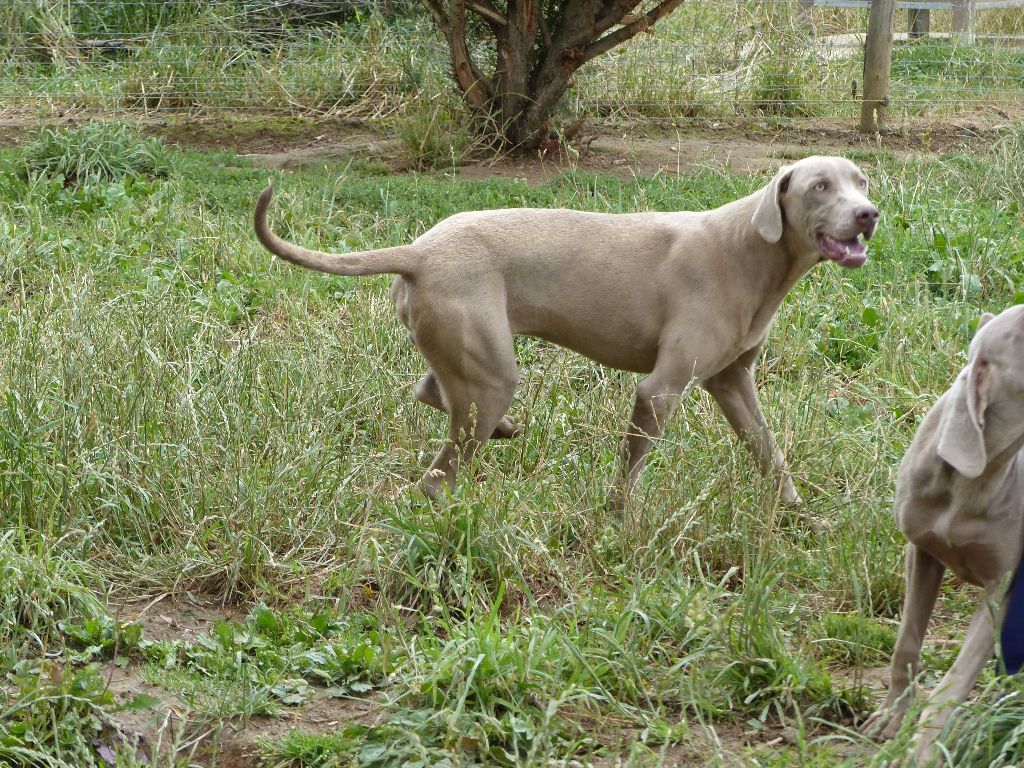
column 850, row 253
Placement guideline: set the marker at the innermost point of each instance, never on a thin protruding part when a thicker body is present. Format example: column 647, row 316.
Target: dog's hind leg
column 429, row 393
column 475, row 373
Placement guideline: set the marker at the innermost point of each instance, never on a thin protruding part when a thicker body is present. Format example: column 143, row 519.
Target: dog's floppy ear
column 768, row 216
column 961, row 433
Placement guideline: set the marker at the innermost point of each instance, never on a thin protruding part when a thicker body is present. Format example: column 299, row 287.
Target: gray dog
column 679, row 296
column 960, row 501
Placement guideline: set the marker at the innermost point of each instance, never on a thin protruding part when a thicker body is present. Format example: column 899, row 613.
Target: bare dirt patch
column 237, row 744
column 169, row 618
column 624, row 149
column 725, row 744
column 641, row 148
column 718, row 744
column 645, row 150
column 172, row 727
column 292, row 143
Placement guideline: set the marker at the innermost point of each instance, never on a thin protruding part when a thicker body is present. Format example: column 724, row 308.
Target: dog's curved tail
column 399, row 260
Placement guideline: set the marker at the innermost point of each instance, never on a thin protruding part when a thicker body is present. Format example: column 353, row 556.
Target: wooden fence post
column 877, row 63
column 963, row 21
column 918, row 22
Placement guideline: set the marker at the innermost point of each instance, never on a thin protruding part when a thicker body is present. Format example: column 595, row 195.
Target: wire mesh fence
column 711, row 59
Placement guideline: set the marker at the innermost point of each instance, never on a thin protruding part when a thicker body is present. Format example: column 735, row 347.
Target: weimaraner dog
column 960, row 502
column 679, row 296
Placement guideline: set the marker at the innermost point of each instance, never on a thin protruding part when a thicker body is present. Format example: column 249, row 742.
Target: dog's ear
column 984, row 319
column 962, row 431
column 768, row 216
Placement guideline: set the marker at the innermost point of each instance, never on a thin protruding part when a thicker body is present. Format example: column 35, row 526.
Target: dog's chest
column 763, row 317
column 980, row 545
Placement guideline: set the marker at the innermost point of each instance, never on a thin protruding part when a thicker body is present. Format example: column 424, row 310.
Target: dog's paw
column 432, row 483
column 792, row 499
column 817, row 524
column 882, row 725
column 788, row 494
column 618, row 499
column 801, row 517
column 796, row 509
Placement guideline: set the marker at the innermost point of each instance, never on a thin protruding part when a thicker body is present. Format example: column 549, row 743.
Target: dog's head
column 820, row 205
column 985, row 413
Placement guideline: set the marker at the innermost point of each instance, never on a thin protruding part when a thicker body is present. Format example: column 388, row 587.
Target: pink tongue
column 846, row 253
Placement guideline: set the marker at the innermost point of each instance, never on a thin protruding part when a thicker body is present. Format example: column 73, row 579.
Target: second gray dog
column 960, row 502
column 680, row 296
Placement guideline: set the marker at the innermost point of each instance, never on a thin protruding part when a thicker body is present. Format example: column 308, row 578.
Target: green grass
column 256, row 667
column 313, row 750
column 990, row 731
column 706, row 60
column 183, row 415
column 54, row 716
column 95, row 153
column 854, row 639
column 930, row 72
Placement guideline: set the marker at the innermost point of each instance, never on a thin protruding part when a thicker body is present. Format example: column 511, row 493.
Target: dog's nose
column 866, row 216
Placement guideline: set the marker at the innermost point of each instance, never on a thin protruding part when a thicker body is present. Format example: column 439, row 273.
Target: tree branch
column 440, row 17
column 613, row 14
column 545, row 33
column 622, row 34
column 573, row 24
column 476, row 88
column 486, row 10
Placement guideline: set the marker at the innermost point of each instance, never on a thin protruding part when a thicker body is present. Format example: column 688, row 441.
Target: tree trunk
column 538, row 46
column 515, row 63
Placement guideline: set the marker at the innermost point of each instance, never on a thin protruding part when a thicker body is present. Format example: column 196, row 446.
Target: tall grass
column 707, row 59
column 184, row 415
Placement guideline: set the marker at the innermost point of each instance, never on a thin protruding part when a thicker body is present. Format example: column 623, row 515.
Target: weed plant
column 95, row 153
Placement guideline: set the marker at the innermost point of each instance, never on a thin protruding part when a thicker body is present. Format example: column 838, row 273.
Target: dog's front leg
column 923, row 578
column 656, row 397
column 958, row 681
column 734, row 391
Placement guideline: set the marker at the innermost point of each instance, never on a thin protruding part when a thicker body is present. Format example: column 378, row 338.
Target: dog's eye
column 863, row 183
column 821, row 186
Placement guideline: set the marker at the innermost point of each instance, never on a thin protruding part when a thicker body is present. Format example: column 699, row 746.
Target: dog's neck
column 779, row 264
column 1004, row 468
column 776, row 267
column 1002, row 475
